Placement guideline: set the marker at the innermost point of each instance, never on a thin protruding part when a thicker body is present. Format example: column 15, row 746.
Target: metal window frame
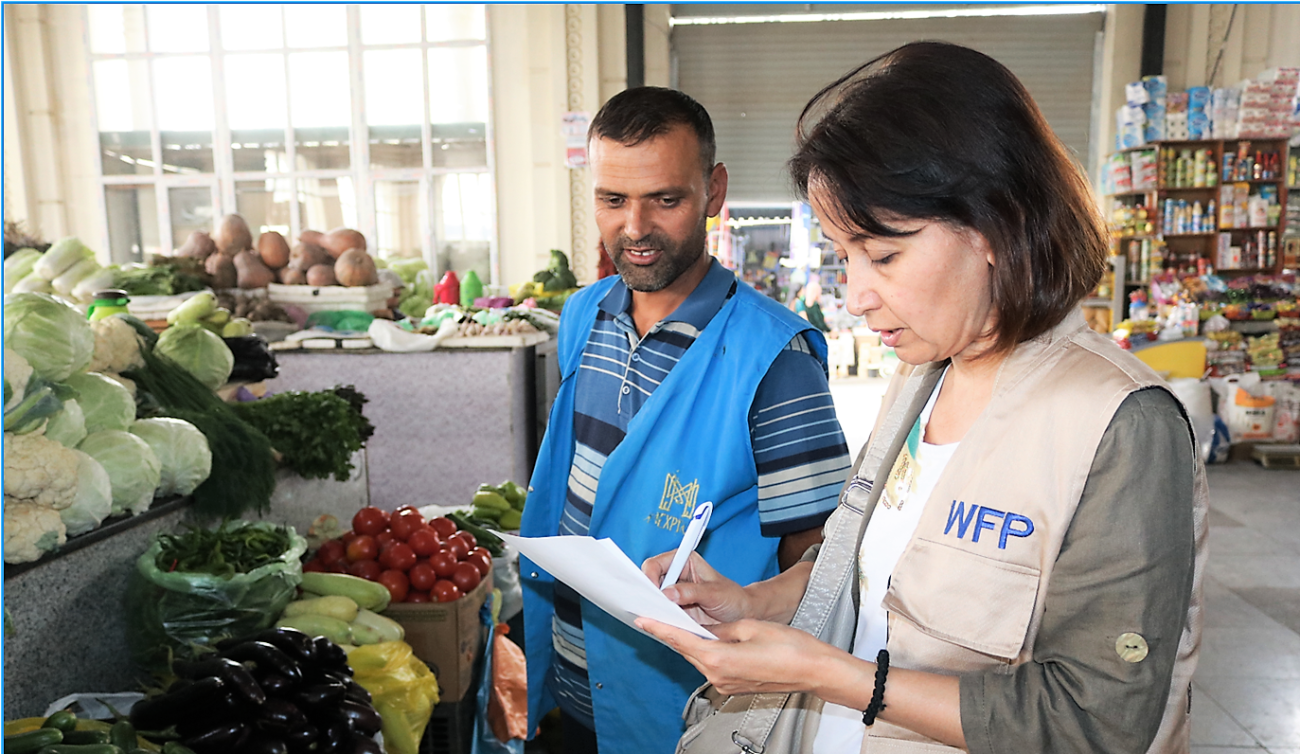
column 222, row 181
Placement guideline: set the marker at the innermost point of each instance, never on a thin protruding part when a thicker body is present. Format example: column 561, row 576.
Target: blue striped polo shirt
column 799, row 449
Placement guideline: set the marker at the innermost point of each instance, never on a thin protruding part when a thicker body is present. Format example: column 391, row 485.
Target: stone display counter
column 445, row 421
column 67, row 610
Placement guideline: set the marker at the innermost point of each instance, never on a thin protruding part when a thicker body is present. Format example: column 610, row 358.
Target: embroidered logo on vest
column 675, row 494
column 977, row 518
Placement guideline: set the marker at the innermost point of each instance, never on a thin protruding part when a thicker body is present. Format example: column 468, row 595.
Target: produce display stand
column 445, row 420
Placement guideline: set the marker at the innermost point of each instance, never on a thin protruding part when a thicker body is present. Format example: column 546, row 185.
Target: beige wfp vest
column 1026, row 457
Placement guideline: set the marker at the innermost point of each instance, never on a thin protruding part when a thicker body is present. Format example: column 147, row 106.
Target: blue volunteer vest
column 689, row 443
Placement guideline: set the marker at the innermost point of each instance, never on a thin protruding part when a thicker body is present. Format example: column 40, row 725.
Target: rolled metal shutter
column 756, row 78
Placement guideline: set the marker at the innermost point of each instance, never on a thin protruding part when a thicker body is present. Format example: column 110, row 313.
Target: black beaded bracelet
column 878, row 695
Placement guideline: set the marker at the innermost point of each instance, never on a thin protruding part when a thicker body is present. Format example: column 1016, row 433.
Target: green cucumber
column 63, row 720
column 122, row 735
column 82, row 737
column 176, row 747
column 32, row 741
column 81, row 749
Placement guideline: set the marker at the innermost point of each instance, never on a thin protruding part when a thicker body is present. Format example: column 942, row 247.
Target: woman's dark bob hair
column 935, row 131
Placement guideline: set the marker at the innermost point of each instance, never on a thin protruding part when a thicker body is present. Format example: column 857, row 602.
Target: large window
column 374, row 117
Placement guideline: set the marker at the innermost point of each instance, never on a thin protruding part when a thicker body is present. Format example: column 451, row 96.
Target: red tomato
column 468, row 538
column 481, row 559
column 401, row 508
column 369, row 520
column 457, row 547
column 338, row 566
column 385, row 537
column 399, row 557
column 425, row 541
column 466, row 577
column 366, row 569
column 313, row 566
column 444, row 526
column 363, row 547
column 443, row 563
column 445, row 591
column 331, row 550
column 347, row 537
column 414, row 596
column 396, row 583
column 404, row 523
column 422, row 577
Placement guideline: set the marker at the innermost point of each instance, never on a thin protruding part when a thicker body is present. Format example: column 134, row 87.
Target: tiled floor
column 1246, row 692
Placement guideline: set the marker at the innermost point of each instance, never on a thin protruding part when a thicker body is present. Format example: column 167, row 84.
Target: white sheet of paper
column 602, row 573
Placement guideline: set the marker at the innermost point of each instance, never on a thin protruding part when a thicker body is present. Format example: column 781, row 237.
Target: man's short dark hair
column 639, row 114
column 935, row 131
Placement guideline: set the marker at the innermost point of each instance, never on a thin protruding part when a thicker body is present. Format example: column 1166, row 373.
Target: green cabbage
column 133, row 468
column 200, row 351
column 104, row 402
column 183, row 451
column 68, row 427
column 94, row 500
column 54, row 337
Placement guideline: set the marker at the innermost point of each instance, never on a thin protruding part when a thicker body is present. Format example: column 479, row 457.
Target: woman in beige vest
column 1015, row 565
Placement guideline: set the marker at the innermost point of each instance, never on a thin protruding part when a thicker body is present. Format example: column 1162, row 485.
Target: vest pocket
column 964, row 598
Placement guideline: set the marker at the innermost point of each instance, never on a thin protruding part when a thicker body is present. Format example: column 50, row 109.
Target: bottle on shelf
column 1196, row 217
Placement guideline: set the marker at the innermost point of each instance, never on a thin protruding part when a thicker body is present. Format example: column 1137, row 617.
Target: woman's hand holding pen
column 705, row 595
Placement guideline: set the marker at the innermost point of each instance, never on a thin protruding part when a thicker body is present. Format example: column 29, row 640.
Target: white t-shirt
column 893, row 522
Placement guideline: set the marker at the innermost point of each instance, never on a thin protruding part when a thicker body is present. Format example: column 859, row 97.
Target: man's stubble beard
column 675, row 260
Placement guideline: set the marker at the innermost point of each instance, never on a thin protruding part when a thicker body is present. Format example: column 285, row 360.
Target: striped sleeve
column 799, row 448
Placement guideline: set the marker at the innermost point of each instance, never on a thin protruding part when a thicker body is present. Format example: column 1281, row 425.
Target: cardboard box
column 447, row 636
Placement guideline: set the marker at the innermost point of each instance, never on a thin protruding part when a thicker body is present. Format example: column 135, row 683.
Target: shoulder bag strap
column 836, row 561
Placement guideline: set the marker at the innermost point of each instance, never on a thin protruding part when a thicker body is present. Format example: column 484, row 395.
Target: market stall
column 172, row 488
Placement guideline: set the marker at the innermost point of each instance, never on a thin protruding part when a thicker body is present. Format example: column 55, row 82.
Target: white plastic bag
column 389, row 337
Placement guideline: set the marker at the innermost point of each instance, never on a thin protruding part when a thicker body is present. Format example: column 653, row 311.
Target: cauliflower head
column 31, row 530
column 117, row 346
column 17, row 374
column 40, row 471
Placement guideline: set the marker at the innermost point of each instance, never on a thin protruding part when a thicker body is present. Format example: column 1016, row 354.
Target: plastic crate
column 451, row 726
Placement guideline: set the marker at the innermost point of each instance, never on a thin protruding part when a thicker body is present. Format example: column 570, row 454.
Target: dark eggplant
column 365, row 745
column 281, row 715
column 171, row 707
column 331, row 656
column 335, row 738
column 267, row 658
column 352, row 689
column 319, row 695
column 264, row 745
column 292, row 642
column 275, row 684
column 219, row 739
column 236, row 676
column 301, row 739
column 361, row 718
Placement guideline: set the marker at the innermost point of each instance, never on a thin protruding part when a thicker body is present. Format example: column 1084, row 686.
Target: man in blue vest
column 679, row 385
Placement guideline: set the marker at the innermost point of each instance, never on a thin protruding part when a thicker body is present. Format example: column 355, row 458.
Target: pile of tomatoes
column 417, row 560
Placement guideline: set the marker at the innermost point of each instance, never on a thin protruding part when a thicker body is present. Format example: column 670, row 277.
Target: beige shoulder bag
column 775, row 723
